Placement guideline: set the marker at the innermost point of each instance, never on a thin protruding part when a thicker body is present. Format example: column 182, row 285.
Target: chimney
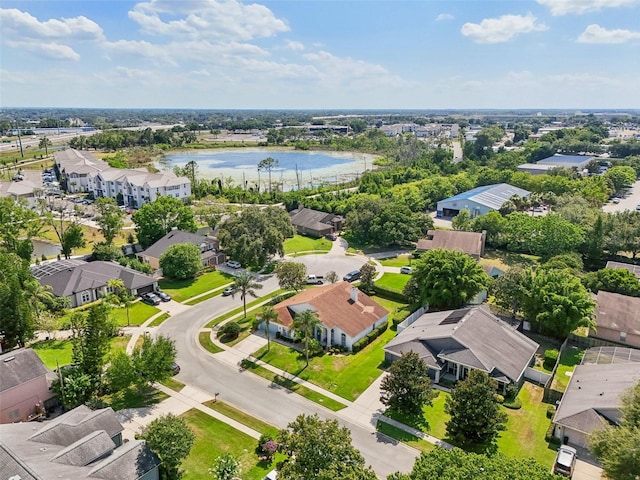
column 354, row 294
column 483, row 239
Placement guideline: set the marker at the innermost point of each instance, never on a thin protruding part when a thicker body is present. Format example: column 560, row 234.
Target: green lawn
column 346, row 375
column 299, row 243
column 571, row 356
column 202, row 298
column 51, row 350
column 392, row 306
column 181, row 290
column 241, row 417
column 215, row 438
column 158, row 321
column 173, row 384
column 393, row 281
column 240, row 309
column 405, row 437
column 399, row 261
column 135, row 398
column 205, row 341
column 139, row 313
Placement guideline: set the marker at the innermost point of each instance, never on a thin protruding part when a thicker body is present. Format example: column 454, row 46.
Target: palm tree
column 305, row 323
column 40, row 295
column 244, row 285
column 119, row 295
column 268, row 315
column 45, row 143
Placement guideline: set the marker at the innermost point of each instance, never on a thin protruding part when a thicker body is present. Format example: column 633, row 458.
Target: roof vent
column 6, row 360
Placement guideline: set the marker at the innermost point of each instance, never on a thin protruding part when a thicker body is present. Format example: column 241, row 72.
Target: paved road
column 260, row 398
column 628, row 203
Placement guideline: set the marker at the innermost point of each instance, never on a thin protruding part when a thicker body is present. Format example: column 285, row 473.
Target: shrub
column 314, row 347
column 551, row 411
column 549, row 437
column 500, row 398
column 230, row 330
column 390, row 294
column 513, row 404
column 550, row 358
column 511, row 391
column 366, row 340
column 400, row 316
column 279, row 298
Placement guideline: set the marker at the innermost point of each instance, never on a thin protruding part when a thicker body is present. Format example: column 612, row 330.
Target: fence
column 412, row 318
column 589, row 342
column 537, row 376
column 551, row 395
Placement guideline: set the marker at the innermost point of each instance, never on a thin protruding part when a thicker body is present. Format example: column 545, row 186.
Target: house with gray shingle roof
column 454, row 342
column 78, row 444
column 84, row 282
column 315, row 223
column 617, row 318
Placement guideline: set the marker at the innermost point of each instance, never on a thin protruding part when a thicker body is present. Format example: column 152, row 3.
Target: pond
column 294, row 168
column 41, row 247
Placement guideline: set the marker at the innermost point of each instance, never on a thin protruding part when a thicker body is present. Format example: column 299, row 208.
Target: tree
column 615, row 280
column 244, row 285
column 107, row 252
column 407, row 387
column 181, row 261
column 456, row 464
column 109, row 218
column 91, row 339
column 157, row 218
column 268, row 164
column 268, row 315
column 367, row 273
column 509, row 290
column 225, row 467
column 153, row 359
column 620, row 177
column 320, row 449
column 462, row 221
column 331, row 277
column 120, row 373
column 476, row 414
column 305, row 323
column 171, row 439
column 617, row 446
column 120, row 295
column 447, row 278
column 73, row 387
column 18, row 223
column 291, row 275
column 16, row 302
column 45, row 143
column 72, row 238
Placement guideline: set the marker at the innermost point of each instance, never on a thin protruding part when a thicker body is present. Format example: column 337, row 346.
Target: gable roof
column 592, row 397
column 334, row 308
column 618, row 312
column 79, row 276
column 177, row 236
column 312, row 219
column 77, row 424
column 471, row 243
column 491, row 196
column 635, row 269
column 18, row 367
column 471, row 336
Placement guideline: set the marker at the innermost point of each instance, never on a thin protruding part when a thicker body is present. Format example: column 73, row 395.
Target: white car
column 565, row 463
column 406, row 270
column 233, row 264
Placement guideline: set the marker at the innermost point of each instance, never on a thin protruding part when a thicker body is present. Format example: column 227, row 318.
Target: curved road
column 257, row 396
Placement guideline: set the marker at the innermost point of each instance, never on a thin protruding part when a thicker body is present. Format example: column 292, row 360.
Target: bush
column 400, row 316
column 364, row 341
column 511, row 391
column 500, row 398
column 551, row 411
column 549, row 437
column 279, row 298
column 550, row 358
column 314, row 347
column 513, row 404
column 390, row 294
column 230, row 330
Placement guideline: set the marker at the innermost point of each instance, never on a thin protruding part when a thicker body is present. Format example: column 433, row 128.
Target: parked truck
column 314, row 280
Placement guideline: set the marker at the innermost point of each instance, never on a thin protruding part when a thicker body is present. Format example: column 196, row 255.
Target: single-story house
column 454, row 342
column 81, row 443
column 24, row 189
column 635, row 269
column 24, row 386
column 480, row 200
column 471, row 243
column 592, row 398
column 315, row 223
column 209, row 247
column 346, row 314
column 84, row 282
column 617, row 318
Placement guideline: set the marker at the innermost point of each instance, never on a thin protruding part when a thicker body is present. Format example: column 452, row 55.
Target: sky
column 321, row 54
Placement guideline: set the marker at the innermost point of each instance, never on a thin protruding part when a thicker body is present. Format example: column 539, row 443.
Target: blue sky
column 321, row 54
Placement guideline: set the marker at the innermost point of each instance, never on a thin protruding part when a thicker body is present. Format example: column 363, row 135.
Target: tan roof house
column 315, row 223
column 471, row 243
column 617, row 318
column 346, row 314
column 23, row 385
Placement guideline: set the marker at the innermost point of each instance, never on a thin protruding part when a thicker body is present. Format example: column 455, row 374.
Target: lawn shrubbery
column 364, row 341
column 229, row 330
column 550, row 358
column 389, row 293
column 280, row 298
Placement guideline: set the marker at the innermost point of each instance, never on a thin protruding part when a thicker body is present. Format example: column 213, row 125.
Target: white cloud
column 295, row 46
column 501, row 29
column 18, row 23
column 207, row 19
column 596, row 34
column 444, row 16
column 51, row 51
column 578, row 7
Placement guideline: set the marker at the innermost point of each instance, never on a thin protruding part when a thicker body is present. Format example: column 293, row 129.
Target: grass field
column 299, row 243
column 215, row 438
column 205, row 341
column 571, row 356
column 346, row 375
column 91, row 235
column 181, row 290
column 399, row 261
column 393, row 281
column 61, row 350
column 241, row 417
column 139, row 313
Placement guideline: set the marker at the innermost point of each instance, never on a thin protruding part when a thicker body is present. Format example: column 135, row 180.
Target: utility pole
column 19, row 140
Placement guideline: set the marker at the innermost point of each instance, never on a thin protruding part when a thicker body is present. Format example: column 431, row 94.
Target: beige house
column 617, row 318
column 24, row 387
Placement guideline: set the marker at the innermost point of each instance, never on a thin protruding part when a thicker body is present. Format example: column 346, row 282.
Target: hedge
column 550, row 358
column 370, row 337
column 390, row 294
column 400, row 316
column 280, row 298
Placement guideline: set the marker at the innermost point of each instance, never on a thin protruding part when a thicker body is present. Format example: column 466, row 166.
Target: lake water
column 314, row 168
column 40, row 247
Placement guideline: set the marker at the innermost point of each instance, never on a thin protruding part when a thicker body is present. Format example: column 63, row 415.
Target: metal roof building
column 480, row 200
column 578, row 162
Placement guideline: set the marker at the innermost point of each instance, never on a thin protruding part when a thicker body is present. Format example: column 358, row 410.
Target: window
column 86, row 297
column 623, row 336
column 343, row 340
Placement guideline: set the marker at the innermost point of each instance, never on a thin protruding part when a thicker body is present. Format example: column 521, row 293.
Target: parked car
column 565, row 463
column 352, row 276
column 638, row 206
column 314, row 280
column 233, row 264
column 406, row 270
column 18, row 177
column 165, row 297
column 616, row 200
column 331, row 236
column 175, row 369
column 227, row 291
column 151, row 299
